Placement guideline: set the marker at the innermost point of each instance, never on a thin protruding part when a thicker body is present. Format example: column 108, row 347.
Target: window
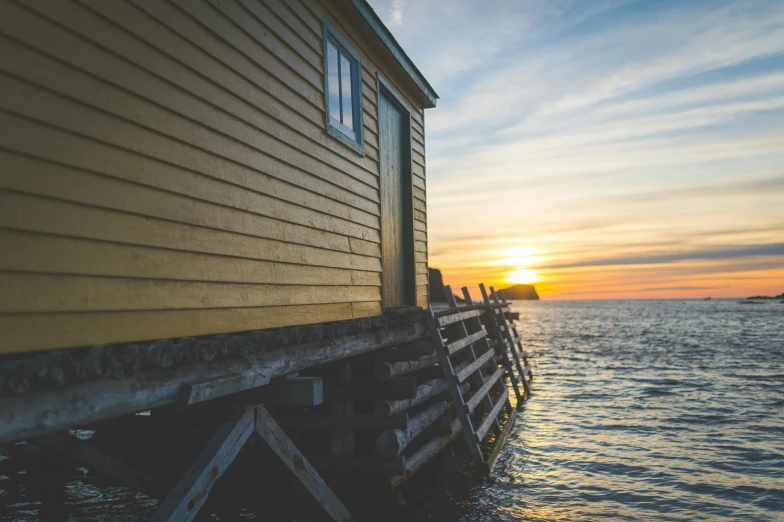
column 343, row 89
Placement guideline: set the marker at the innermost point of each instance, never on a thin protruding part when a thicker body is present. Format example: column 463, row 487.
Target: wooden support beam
column 285, row 391
column 288, row 453
column 103, row 463
column 492, row 416
column 459, row 316
column 426, row 453
column 388, row 370
column 191, row 492
column 391, row 443
column 35, row 414
column 501, row 440
column 424, row 392
column 479, row 394
column 474, row 366
column 405, row 352
column 214, row 387
column 369, row 388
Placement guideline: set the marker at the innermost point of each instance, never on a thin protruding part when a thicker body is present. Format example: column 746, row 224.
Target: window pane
column 345, row 80
column 333, row 81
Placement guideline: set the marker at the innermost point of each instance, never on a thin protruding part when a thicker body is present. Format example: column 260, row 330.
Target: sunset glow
column 527, row 277
column 604, row 149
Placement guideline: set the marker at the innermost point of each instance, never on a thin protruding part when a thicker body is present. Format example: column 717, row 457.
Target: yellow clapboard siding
column 31, row 252
column 365, row 278
column 30, row 176
column 419, row 205
column 421, row 289
column 272, row 35
column 58, row 111
column 43, row 293
column 421, row 268
column 23, row 212
column 228, row 89
column 235, row 139
column 420, row 236
column 420, row 216
column 277, row 60
column 365, row 248
column 284, row 11
column 421, row 279
column 419, row 182
column 418, row 171
column 33, row 332
column 48, row 143
column 420, row 226
column 420, row 256
column 420, row 246
column 422, row 300
column 366, row 309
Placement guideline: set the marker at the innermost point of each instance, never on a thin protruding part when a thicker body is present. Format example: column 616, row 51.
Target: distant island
column 758, row 297
column 521, row 293
column 513, row 293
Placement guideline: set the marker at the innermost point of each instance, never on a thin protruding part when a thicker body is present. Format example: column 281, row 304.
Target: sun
column 522, row 276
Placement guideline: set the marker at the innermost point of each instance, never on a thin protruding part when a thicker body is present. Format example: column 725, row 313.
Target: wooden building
column 190, row 167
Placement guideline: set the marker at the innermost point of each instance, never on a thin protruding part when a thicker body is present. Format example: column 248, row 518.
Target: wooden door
column 396, row 213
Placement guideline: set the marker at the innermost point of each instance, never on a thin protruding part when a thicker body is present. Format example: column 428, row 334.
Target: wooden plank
column 480, row 394
column 424, row 392
column 187, row 497
column 400, row 388
column 105, row 464
column 458, row 316
column 223, row 385
column 36, row 414
column 43, row 293
column 474, row 366
column 32, row 252
column 459, row 344
column 454, row 387
column 285, row 391
column 492, row 416
column 426, row 453
column 391, row 443
column 288, row 453
column 501, row 440
column 196, row 199
column 388, row 370
column 23, row 212
column 42, row 331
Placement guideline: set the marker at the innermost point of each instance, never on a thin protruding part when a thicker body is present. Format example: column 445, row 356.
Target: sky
column 603, row 149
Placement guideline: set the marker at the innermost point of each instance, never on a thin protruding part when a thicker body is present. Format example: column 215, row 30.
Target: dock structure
column 382, row 404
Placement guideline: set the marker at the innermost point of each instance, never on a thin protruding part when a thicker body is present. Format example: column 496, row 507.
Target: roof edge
column 397, row 51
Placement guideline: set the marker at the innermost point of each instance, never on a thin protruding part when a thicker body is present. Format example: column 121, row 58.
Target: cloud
column 396, row 12
column 589, row 129
column 714, row 253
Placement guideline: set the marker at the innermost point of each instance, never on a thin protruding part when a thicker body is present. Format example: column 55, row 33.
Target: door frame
column 384, row 88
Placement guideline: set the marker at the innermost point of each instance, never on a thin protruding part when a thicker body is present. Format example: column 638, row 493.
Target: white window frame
column 353, row 138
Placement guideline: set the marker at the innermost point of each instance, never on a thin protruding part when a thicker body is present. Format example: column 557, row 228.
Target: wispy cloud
column 595, row 125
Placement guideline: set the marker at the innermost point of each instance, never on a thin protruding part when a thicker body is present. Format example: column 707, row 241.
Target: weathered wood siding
column 166, row 172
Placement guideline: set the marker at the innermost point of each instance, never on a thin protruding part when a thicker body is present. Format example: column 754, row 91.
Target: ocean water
column 646, row 410
column 642, row 410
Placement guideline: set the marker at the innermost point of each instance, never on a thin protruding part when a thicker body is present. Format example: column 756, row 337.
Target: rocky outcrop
column 756, row 297
column 521, row 293
column 436, row 285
